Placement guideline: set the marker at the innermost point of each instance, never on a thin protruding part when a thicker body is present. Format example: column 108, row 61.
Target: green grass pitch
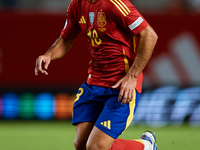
column 59, row 135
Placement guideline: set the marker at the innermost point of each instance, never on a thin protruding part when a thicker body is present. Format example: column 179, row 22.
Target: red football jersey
column 111, row 27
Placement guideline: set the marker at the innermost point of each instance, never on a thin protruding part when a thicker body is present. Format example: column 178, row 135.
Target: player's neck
column 92, row 1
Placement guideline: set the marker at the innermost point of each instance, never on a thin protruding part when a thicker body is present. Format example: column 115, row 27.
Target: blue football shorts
column 100, row 105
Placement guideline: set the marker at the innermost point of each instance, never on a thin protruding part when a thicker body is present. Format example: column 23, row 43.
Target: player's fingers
column 36, row 63
column 125, row 97
column 36, row 72
column 39, row 64
column 121, row 93
column 36, row 67
column 117, row 84
column 45, row 72
column 130, row 97
column 46, row 65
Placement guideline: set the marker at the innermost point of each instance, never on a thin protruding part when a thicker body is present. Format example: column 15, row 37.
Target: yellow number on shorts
column 79, row 94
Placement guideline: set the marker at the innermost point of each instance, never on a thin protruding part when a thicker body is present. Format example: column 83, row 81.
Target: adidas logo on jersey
column 106, row 124
column 82, row 20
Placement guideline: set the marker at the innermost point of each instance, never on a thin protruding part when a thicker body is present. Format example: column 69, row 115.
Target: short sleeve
column 71, row 28
column 128, row 16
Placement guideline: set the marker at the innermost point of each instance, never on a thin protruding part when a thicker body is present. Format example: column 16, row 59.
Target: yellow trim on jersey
column 126, row 62
column 132, row 108
column 125, row 6
column 121, row 6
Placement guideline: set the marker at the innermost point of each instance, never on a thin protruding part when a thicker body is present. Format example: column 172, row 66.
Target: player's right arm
column 56, row 51
column 63, row 44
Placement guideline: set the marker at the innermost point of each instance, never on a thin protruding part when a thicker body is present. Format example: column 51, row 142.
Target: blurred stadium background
column 35, row 112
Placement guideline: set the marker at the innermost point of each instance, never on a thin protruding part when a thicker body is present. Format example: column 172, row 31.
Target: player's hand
column 127, row 89
column 42, row 63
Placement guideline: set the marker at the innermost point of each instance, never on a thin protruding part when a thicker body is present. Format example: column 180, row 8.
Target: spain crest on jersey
column 101, row 19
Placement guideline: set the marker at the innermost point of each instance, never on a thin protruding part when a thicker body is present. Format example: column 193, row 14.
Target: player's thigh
column 98, row 140
column 83, row 131
column 87, row 107
column 115, row 117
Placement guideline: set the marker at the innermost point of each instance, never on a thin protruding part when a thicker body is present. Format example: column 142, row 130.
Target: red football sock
column 121, row 144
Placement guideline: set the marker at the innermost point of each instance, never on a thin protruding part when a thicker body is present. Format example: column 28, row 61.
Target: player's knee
column 79, row 145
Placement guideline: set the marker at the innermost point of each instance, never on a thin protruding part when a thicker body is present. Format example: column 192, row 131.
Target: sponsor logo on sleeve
column 136, row 23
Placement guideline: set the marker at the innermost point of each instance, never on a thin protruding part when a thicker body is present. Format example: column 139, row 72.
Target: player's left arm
column 147, row 42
